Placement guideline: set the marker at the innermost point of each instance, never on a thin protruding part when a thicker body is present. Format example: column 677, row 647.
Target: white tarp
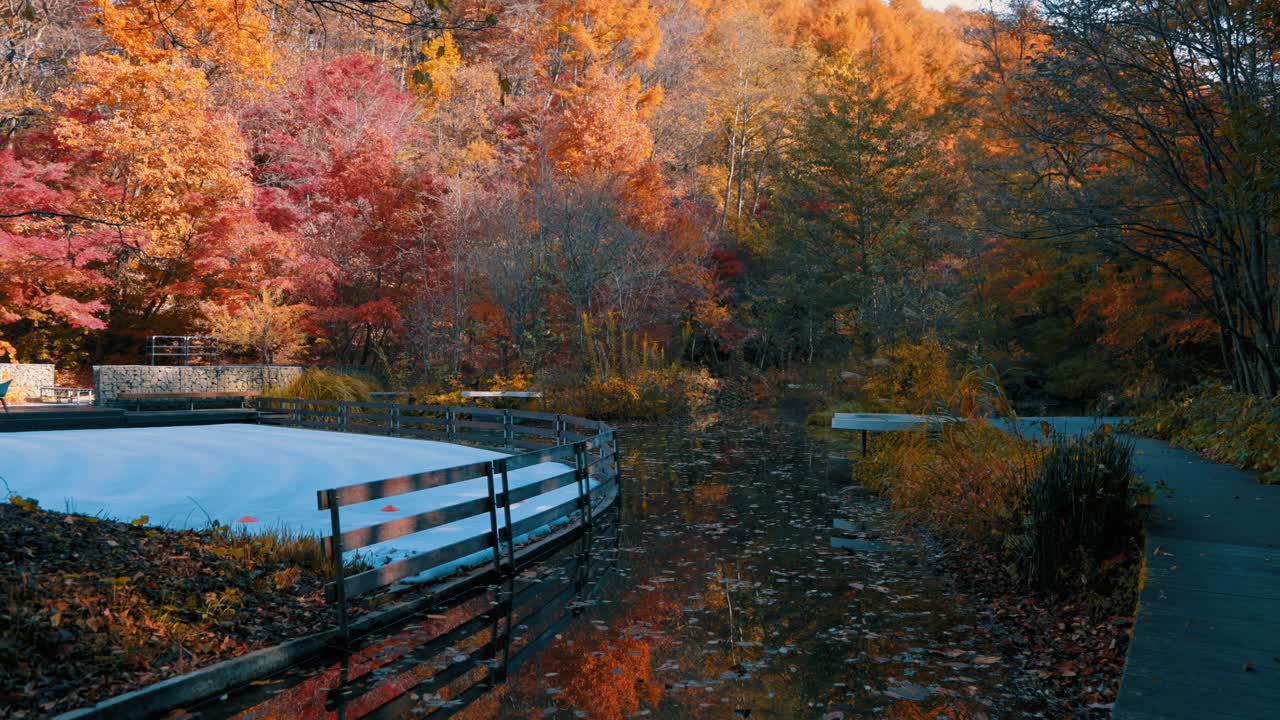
column 183, row 477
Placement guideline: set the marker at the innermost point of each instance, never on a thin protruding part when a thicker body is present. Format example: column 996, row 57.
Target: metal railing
column 184, row 350
column 588, row 447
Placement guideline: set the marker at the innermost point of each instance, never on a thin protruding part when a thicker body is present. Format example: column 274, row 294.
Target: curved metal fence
column 587, row 447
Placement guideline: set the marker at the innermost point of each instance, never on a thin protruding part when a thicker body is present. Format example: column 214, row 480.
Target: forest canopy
column 1085, row 192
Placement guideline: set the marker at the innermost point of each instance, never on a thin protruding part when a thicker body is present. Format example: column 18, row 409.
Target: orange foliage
column 1135, row 305
column 914, row 51
column 599, row 129
column 149, row 128
column 970, row 483
column 585, row 32
column 224, row 36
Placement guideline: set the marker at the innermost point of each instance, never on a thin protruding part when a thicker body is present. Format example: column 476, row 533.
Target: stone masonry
column 111, row 380
column 27, row 378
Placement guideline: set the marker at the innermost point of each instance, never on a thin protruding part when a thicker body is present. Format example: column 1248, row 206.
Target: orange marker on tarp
column 248, row 519
column 391, row 508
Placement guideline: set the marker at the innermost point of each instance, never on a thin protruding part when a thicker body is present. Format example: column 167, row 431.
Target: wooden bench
column 189, row 398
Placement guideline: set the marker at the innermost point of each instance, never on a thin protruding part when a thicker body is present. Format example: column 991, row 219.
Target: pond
column 736, row 579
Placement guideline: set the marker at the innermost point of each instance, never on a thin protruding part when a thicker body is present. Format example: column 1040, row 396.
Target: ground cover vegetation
column 1226, row 426
column 446, row 192
column 91, row 608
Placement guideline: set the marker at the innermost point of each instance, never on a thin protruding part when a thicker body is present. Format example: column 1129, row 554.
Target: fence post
column 508, row 429
column 506, row 512
column 493, row 521
column 584, row 481
column 342, row 416
column 339, row 581
column 450, row 423
column 617, row 460
column 393, row 418
column 559, row 430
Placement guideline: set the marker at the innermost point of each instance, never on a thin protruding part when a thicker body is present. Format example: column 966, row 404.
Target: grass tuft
column 317, row 384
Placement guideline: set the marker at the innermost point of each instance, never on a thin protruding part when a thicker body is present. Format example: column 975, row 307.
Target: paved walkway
column 1207, row 640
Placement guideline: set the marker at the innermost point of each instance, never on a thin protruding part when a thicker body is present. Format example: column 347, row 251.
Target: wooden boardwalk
column 1207, row 639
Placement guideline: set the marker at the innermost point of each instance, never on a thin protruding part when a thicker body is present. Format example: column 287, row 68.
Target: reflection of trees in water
column 603, row 670
column 935, row 710
column 728, row 603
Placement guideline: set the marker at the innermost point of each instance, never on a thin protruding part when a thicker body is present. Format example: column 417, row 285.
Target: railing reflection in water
column 444, row 661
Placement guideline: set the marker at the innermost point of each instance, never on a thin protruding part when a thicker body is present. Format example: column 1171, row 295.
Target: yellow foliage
column 25, row 503
column 223, row 36
column 263, row 325
column 969, row 482
column 611, row 31
column 645, row 394
column 910, row 377
column 152, row 128
column 432, row 79
column 317, row 384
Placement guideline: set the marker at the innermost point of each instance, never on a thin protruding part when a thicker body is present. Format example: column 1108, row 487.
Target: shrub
column 1226, row 426
column 1080, row 512
column 317, row 384
column 822, row 418
column 647, row 394
column 966, row 481
column 908, row 377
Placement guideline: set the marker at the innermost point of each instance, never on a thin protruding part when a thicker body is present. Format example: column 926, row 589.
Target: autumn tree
column 220, row 37
column 169, row 170
column 340, row 161
column 262, row 324
column 1155, row 129
column 41, row 42
column 852, row 211
column 49, row 257
column 755, row 83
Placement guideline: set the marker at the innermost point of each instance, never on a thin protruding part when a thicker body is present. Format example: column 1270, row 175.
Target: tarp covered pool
column 251, row 476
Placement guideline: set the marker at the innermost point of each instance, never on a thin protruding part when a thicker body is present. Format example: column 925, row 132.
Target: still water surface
column 736, row 580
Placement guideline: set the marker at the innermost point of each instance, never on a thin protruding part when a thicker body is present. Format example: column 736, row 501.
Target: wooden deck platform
column 26, row 418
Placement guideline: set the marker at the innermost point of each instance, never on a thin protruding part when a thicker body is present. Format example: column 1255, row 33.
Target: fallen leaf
column 908, row 691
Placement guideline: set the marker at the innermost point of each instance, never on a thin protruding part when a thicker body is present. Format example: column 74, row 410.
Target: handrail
column 589, row 456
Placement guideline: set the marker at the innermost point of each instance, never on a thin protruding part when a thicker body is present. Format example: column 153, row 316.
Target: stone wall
column 111, row 380
column 27, row 379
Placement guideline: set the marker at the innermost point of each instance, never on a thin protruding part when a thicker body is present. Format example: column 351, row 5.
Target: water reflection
column 752, row 585
column 738, row 581
column 438, row 664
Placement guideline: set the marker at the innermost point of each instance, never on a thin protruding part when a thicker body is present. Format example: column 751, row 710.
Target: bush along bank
column 1225, row 426
column 1048, row 536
